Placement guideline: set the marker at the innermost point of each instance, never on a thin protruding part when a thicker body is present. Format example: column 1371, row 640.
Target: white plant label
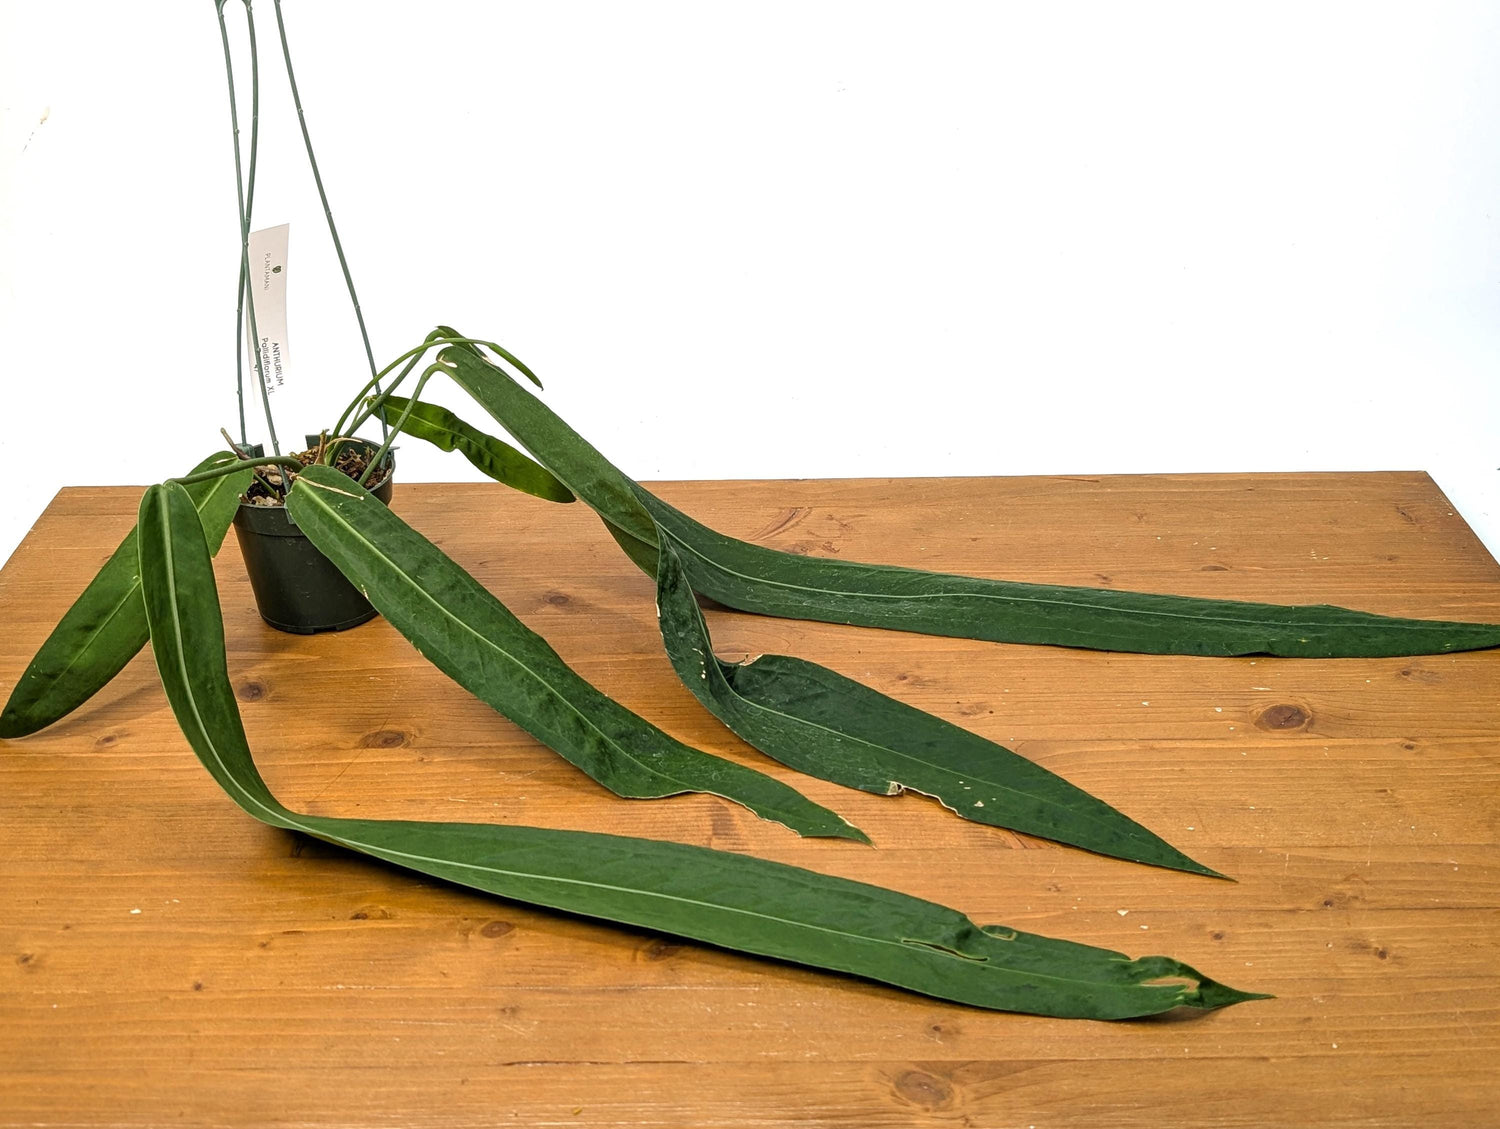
column 268, row 293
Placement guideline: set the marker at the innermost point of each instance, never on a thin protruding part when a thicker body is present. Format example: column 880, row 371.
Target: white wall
column 782, row 239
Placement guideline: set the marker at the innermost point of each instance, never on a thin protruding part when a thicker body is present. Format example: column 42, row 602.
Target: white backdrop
column 780, row 239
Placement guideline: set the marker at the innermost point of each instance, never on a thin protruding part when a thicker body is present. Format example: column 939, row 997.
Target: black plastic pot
column 297, row 588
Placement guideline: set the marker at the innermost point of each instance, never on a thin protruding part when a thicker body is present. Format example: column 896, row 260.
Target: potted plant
column 160, row 586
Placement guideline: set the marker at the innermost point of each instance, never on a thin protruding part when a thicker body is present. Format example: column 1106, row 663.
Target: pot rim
column 381, row 490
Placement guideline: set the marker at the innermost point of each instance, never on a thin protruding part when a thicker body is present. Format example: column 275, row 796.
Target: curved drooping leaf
column 499, row 350
column 106, row 625
column 753, row 578
column 496, row 458
column 554, row 444
column 821, row 723
column 468, row 634
column 730, row 900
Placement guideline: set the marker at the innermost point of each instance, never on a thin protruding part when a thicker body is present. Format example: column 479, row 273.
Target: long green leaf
column 496, row 458
column 499, row 351
column 468, row 634
column 106, row 625
column 724, row 899
column 823, row 724
column 828, row 726
column 756, row 579
column 834, row 728
column 753, row 578
column 554, row 444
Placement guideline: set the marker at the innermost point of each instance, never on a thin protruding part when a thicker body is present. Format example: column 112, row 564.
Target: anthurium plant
column 159, row 586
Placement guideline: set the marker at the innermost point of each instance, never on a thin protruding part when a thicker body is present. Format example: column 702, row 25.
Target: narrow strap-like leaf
column 821, row 723
column 106, row 625
column 730, row 900
column 468, row 634
column 753, row 578
column 828, row 726
column 756, row 579
column 496, row 458
column 554, row 444
column 499, row 350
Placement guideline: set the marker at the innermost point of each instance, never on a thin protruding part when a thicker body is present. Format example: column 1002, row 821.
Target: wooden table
column 165, row 959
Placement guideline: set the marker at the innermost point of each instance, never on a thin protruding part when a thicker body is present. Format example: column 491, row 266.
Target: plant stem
column 260, row 370
column 246, row 457
column 312, row 161
column 245, row 194
column 249, row 206
column 336, row 444
column 239, row 312
column 239, row 346
column 427, row 374
column 372, row 405
column 431, row 342
column 234, row 467
column 237, row 448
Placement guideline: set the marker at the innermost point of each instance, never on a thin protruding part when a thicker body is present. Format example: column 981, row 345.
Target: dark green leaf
column 828, row 726
column 724, row 899
column 496, row 458
column 805, row 715
column 473, row 638
column 106, row 626
column 555, row 445
column 499, row 351
column 756, row 579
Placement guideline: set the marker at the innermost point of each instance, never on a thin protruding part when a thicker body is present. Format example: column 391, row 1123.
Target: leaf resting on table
column 106, row 626
column 753, row 578
column 828, row 726
column 734, row 901
column 821, row 723
column 468, row 634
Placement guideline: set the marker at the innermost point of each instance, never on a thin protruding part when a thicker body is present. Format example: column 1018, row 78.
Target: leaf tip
column 1211, row 995
column 1207, row 871
column 849, row 831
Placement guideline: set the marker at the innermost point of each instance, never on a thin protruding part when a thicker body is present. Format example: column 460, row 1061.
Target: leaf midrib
column 1395, row 622
column 407, row 579
column 282, row 816
column 1090, row 816
column 133, row 590
column 278, row 815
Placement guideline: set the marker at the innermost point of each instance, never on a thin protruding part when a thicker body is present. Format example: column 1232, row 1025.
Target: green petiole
column 432, row 342
column 236, row 467
column 427, row 374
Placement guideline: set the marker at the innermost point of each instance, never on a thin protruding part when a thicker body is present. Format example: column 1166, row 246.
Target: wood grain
column 164, row 958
